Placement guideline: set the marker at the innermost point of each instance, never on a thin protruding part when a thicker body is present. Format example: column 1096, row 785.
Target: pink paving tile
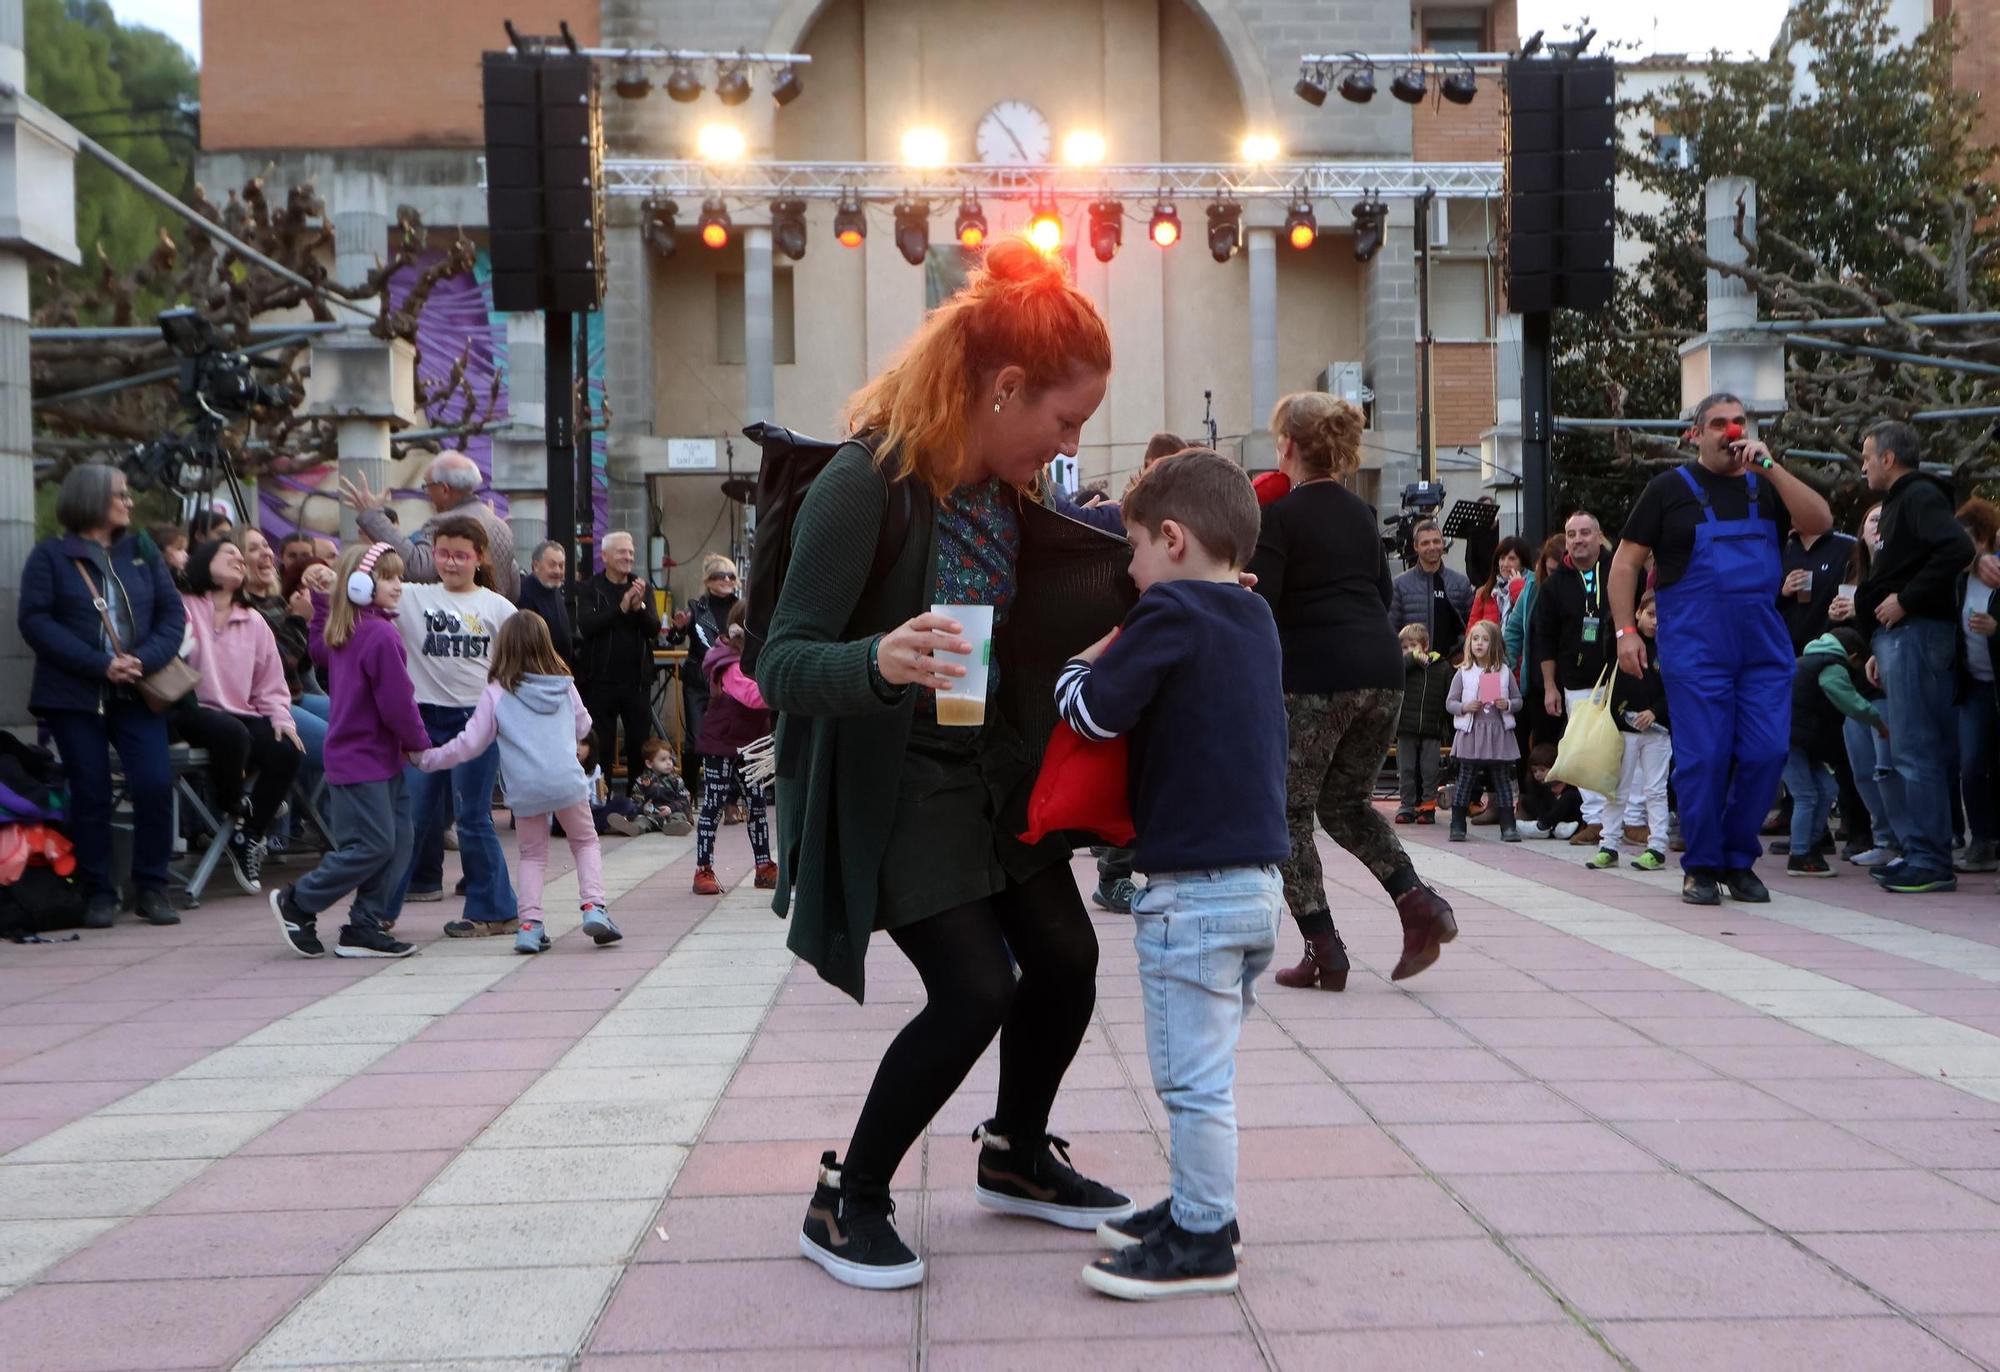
column 73, row 1012
column 955, row 1222
column 1904, row 1098
column 1237, row 1354
column 782, row 1080
column 1544, row 1347
column 116, row 1327
column 1677, row 1100
column 839, row 1019
column 1348, row 1034
column 1366, row 997
column 1099, row 1111
column 1856, row 1202
column 1293, row 1288
column 725, row 1228
column 217, row 1033
column 1486, row 1102
column 755, row 1360
column 14, row 1133
column 380, row 1090
column 1932, row 1274
column 1692, row 1275
column 271, row 1243
column 26, row 1040
column 859, row 1045
column 1272, row 1067
column 78, row 1062
column 1504, row 1004
column 742, row 1305
column 369, row 1131
column 1415, row 1064
column 1977, row 1335
column 1467, row 1148
column 1645, row 1064
column 265, row 1007
column 1628, row 1005
column 513, row 1002
column 786, row 1167
column 510, row 1027
column 1936, row 1143
column 1258, row 1106
column 1359, row 1150
column 1985, row 1182
column 327, row 1181
column 496, row 1054
column 1842, row 1345
column 1286, row 1212
column 959, row 1303
column 1800, row 1145
column 1552, row 1033
column 61, row 1099
column 1782, row 1064
column 1600, row 1203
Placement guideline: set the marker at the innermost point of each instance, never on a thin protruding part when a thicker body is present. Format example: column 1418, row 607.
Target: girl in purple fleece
column 373, row 724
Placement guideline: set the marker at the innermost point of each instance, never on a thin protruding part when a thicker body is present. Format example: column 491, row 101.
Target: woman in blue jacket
column 84, row 688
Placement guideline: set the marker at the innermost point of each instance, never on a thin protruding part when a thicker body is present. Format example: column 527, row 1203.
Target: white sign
column 690, row 454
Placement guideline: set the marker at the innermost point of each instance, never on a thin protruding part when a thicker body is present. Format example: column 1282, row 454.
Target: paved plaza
column 1606, row 1130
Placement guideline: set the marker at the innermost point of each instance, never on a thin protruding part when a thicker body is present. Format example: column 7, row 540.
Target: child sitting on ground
column 1555, row 806
column 1196, row 646
column 1423, row 726
column 662, row 795
column 1639, row 704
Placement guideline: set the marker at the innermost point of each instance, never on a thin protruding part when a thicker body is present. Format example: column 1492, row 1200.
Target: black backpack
column 791, row 463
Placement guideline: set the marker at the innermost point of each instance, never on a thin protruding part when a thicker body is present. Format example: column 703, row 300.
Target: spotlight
column 1107, row 229
column 913, row 231
column 1371, row 217
column 1165, row 230
column 660, row 228
column 719, row 143
column 1461, row 87
column 732, row 87
column 788, row 227
column 1045, row 228
column 1409, row 87
column 1259, row 149
column 1083, row 149
column 684, row 86
column 1225, row 229
column 971, row 226
column 1301, row 227
column 632, row 83
column 1311, row 87
column 785, row 87
column 924, row 148
column 850, row 226
column 1358, row 85
column 714, row 223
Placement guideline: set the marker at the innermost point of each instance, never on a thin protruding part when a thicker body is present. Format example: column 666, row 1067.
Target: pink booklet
column 1490, row 684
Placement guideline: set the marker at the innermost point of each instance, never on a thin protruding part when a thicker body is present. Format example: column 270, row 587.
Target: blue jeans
column 1875, row 777
column 1978, row 731
column 84, row 739
column 1915, row 661
column 1814, row 788
column 1203, row 938
column 489, row 896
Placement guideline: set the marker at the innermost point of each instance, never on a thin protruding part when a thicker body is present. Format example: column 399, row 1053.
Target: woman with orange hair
column 889, row 820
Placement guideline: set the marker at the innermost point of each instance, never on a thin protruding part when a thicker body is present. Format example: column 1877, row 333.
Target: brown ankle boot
column 1324, row 965
column 1427, row 927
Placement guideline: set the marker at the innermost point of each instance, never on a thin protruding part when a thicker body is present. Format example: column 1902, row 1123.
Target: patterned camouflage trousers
column 1338, row 743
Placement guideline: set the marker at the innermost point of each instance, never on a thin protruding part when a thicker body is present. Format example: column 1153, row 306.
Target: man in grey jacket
column 451, row 484
column 1432, row 594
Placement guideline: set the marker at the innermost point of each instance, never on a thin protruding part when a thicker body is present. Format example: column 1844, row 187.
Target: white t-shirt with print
column 449, row 638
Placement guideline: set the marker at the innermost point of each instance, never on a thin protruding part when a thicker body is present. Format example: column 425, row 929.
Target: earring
column 996, row 407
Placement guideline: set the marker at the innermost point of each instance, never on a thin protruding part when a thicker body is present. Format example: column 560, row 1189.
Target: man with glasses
column 451, row 484
column 700, row 626
column 617, row 628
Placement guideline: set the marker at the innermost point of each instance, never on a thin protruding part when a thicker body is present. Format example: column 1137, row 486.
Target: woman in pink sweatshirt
column 241, row 712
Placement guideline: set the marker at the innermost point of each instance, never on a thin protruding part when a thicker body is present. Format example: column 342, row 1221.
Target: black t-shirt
column 1320, row 564
column 1667, row 513
column 1447, row 627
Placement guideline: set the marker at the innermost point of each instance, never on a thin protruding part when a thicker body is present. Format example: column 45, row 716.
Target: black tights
column 961, row 955
column 237, row 744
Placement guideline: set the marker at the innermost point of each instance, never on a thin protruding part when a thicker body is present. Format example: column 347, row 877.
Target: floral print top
column 979, row 540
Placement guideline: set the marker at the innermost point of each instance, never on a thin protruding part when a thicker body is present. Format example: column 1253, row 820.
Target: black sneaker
column 370, row 943
column 154, row 907
column 300, row 929
column 101, row 913
column 1808, row 865
column 1115, row 896
column 246, row 859
column 1698, row 888
column 1032, row 1181
column 1918, row 881
column 852, row 1235
column 1118, row 1235
column 1743, row 884
column 1168, row 1262
column 1890, row 871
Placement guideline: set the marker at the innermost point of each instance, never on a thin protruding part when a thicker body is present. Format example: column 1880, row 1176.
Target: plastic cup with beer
column 964, row 705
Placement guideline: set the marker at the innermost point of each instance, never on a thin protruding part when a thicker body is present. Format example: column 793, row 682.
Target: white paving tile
column 446, row 1238
column 28, row 1246
column 81, row 1190
column 201, row 1095
column 592, row 1085
column 500, row 1176
column 146, row 1138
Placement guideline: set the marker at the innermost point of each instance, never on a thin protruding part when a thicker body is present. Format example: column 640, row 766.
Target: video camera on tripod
column 1421, row 500
column 217, row 385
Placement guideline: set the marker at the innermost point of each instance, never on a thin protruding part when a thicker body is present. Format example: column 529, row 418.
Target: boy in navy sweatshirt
column 1194, row 678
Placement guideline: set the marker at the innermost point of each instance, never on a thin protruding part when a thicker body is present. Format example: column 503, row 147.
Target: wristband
column 1622, row 632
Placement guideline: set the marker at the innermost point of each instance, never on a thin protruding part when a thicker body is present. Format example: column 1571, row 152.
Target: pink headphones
column 361, row 585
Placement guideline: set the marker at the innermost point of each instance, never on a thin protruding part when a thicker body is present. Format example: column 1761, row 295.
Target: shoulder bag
column 162, row 688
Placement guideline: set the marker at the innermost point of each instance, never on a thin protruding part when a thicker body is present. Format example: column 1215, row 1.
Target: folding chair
column 210, row 845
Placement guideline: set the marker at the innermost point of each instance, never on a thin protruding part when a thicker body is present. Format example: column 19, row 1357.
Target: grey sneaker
column 1979, row 856
column 597, row 923
column 1115, row 896
column 625, row 825
column 415, row 897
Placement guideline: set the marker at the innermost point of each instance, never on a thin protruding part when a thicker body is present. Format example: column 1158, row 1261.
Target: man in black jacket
column 617, row 627
column 542, row 592
column 1910, row 599
column 1573, row 625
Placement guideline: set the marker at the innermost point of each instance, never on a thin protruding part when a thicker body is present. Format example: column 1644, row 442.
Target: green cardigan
column 840, row 744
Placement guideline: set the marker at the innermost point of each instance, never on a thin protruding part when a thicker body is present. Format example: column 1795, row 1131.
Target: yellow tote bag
column 1591, row 754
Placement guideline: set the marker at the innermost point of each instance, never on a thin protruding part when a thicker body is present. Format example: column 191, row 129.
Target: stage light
column 1409, row 87
column 850, row 225
column 1045, row 229
column 1461, row 87
column 1301, row 226
column 1358, row 85
column 714, row 223
column 684, row 86
column 788, row 227
column 1225, row 229
column 1260, row 148
column 1165, row 230
column 660, row 228
column 971, row 226
column 1371, row 218
column 1311, row 87
column 785, row 87
column 720, row 143
column 913, row 231
column 632, row 83
column 925, row 148
column 1083, row 149
column 732, row 87
column 1107, row 229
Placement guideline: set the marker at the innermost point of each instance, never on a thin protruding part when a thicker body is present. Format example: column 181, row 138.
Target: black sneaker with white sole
column 370, row 943
column 1168, row 1262
column 1023, row 1176
column 246, row 859
column 300, row 929
column 851, row 1233
column 1131, row 1231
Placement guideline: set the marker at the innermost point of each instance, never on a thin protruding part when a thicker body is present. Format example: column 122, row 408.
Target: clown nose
column 1735, row 433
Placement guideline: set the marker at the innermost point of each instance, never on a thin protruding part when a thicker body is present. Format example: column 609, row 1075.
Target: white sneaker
column 1567, row 830
column 1873, row 857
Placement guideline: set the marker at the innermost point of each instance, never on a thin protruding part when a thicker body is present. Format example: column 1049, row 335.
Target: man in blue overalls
column 1716, row 529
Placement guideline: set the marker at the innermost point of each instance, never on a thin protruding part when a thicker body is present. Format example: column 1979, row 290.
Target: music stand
column 1471, row 517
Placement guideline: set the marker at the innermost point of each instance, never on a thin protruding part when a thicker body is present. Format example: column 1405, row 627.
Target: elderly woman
column 88, row 661
column 700, row 626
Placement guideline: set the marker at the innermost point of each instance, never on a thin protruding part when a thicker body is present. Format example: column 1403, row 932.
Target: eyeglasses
column 441, row 555
column 125, row 496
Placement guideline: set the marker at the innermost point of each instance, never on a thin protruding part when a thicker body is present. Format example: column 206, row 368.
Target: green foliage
column 133, row 90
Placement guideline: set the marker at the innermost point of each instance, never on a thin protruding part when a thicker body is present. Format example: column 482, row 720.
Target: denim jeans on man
column 1203, row 939
column 1813, row 788
column 1978, row 732
column 1915, row 662
column 489, row 896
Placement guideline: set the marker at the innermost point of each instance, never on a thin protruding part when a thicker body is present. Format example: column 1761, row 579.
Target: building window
column 1453, row 29
column 729, row 319
column 1671, row 149
column 1461, row 299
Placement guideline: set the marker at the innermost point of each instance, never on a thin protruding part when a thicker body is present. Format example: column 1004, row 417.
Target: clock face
column 1014, row 132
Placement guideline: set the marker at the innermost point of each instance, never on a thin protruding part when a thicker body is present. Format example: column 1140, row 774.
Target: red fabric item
column 1484, row 610
column 1270, row 486
column 1082, row 786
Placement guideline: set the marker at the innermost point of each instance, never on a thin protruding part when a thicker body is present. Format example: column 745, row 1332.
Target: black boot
column 1458, row 824
column 1508, row 833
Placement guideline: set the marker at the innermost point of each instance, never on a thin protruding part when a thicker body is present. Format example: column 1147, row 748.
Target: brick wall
column 1977, row 68
column 1462, row 384
column 1444, row 132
